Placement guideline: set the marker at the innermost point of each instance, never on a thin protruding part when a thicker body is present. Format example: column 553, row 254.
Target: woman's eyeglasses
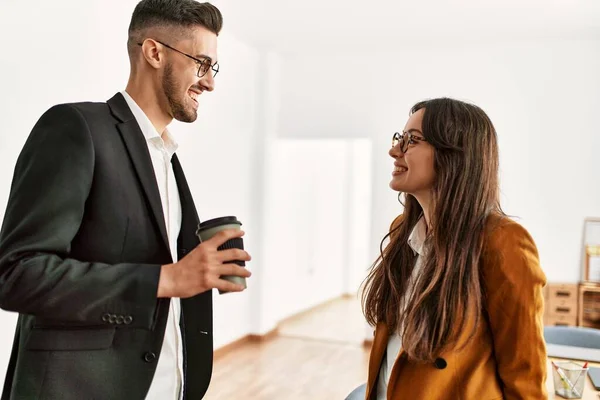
column 405, row 139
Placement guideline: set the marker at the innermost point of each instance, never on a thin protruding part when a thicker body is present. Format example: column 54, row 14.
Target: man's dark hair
column 176, row 14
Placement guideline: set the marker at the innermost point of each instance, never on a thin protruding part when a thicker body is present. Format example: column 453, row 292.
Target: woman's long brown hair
column 447, row 296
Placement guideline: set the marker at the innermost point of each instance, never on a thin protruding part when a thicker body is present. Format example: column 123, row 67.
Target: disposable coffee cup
column 211, row 227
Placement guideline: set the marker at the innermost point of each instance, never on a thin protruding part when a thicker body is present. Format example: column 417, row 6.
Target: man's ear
column 153, row 53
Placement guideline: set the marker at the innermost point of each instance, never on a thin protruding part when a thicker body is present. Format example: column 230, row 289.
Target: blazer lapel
column 189, row 217
column 378, row 350
column 135, row 142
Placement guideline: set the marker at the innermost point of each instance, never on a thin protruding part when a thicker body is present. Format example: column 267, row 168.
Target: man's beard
column 178, row 108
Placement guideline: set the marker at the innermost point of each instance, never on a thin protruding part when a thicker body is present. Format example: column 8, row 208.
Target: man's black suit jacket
column 81, row 246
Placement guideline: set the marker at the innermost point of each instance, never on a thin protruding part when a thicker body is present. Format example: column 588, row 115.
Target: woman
column 456, row 296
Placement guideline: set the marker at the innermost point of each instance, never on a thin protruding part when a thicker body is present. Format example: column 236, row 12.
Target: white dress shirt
column 168, row 378
column 416, row 240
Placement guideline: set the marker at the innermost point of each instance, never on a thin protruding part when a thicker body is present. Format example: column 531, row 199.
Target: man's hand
column 201, row 269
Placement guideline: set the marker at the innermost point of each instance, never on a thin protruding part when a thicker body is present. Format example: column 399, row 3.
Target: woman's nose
column 396, row 151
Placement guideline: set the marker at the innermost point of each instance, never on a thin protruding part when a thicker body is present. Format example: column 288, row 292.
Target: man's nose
column 208, row 81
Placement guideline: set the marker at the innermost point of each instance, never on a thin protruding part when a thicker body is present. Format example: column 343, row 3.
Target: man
column 98, row 243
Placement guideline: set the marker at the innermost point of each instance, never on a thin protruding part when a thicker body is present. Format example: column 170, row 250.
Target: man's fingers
column 221, row 237
column 233, row 269
column 233, row 255
column 226, row 286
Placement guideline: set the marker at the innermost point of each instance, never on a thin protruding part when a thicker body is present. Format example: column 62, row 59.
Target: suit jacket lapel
column 135, row 142
column 189, row 217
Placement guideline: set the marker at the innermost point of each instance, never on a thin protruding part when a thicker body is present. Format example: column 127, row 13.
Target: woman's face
column 413, row 171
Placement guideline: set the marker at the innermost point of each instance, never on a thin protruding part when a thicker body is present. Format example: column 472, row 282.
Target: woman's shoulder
column 502, row 231
column 510, row 251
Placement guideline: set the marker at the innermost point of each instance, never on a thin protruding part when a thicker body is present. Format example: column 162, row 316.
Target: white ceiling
column 291, row 26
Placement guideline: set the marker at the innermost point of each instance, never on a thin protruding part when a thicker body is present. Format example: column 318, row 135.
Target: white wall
column 305, row 229
column 358, row 213
column 317, row 227
column 64, row 51
column 543, row 98
column 262, row 320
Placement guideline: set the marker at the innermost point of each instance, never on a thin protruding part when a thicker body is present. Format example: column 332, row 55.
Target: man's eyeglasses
column 404, row 139
column 203, row 65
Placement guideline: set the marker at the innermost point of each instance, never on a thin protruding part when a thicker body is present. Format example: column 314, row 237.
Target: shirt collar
column 150, row 133
column 417, row 237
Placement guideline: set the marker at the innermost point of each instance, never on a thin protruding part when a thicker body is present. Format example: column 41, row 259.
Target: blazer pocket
column 69, row 339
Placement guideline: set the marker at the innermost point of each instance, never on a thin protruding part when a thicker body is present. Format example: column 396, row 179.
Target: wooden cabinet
column 572, row 304
column 561, row 304
column 589, row 305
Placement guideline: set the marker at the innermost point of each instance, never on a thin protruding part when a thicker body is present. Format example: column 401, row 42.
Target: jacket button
column 149, row 357
column 440, row 363
column 120, row 319
column 128, row 319
column 106, row 317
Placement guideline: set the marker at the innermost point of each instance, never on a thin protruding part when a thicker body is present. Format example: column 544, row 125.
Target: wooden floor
column 317, row 355
column 340, row 320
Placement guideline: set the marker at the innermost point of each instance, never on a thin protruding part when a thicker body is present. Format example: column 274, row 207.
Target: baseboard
column 254, row 338
column 273, row 333
column 244, row 340
column 230, row 347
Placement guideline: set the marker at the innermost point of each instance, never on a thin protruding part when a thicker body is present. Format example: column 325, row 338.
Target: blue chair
column 359, row 393
column 573, row 342
column 572, row 336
